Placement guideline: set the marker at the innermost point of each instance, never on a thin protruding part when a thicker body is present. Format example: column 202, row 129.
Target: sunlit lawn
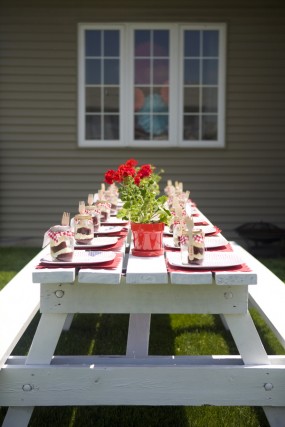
column 170, row 334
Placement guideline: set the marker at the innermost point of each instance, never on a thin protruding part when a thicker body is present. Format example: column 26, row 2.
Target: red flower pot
column 148, row 239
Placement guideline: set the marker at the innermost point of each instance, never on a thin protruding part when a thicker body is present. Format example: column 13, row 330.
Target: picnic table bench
column 41, row 379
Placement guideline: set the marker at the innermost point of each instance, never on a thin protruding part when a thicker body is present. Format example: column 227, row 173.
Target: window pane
column 191, row 100
column 111, row 43
column 160, row 43
column 210, row 100
column 93, row 99
column 142, row 43
column 209, row 127
column 111, row 127
column 139, row 97
column 111, row 99
column 192, row 43
column 191, row 72
column 142, row 71
column 93, row 127
column 93, row 43
column 191, row 127
column 210, row 72
column 93, row 71
column 210, row 43
column 160, row 71
column 111, row 71
column 153, row 124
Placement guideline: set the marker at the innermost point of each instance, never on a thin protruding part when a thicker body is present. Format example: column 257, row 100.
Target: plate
column 211, row 260
column 208, row 229
column 99, row 242
column 83, row 257
column 114, row 220
column 210, row 242
column 108, row 229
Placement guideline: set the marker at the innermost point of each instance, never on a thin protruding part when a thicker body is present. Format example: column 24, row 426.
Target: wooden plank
column 148, row 298
column 142, row 270
column 58, row 275
column 142, row 385
column 138, row 335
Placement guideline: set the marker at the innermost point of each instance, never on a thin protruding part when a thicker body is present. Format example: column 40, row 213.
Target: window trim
column 176, row 90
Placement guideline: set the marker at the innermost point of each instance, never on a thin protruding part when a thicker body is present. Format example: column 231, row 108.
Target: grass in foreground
column 170, row 334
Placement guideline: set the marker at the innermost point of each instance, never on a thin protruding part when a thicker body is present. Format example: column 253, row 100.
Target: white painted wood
column 68, row 322
column 153, row 361
column 144, row 270
column 275, row 416
column 191, row 278
column 224, row 322
column 134, row 384
column 17, row 416
column 235, row 278
column 138, row 335
column 19, row 302
column 268, row 297
column 247, row 339
column 46, row 338
column 59, row 275
column 161, row 298
column 108, row 277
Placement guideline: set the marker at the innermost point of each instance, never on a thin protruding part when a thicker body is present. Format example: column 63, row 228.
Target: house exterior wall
column 44, row 172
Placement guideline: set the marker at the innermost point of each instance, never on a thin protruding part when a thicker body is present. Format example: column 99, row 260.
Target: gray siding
column 43, row 172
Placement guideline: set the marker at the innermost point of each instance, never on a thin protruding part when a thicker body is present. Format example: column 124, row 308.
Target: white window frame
column 175, row 139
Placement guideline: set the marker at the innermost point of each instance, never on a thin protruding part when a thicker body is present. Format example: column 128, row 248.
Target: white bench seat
column 19, row 302
column 268, row 296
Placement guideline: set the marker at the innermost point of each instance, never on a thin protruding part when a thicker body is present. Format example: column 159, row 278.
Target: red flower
column 145, row 171
column 131, row 163
column 124, row 171
column 110, row 176
column 137, row 180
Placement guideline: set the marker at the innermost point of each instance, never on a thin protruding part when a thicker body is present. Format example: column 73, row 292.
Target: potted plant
column 143, row 207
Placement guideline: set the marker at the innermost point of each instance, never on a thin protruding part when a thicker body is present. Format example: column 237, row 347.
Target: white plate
column 114, row 220
column 210, row 242
column 108, row 229
column 211, row 260
column 99, row 242
column 208, row 229
column 83, row 257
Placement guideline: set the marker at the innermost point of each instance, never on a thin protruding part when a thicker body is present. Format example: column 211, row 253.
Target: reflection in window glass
column 210, row 100
column 111, row 43
column 93, row 43
column 191, row 127
column 142, row 43
column 93, row 99
column 209, row 127
column 151, row 79
column 93, row 71
column 111, row 127
column 191, row 43
column 102, row 84
column 93, row 127
column 111, row 99
column 161, row 43
column 111, row 72
column 210, row 72
column 191, row 100
column 210, row 43
column 191, row 72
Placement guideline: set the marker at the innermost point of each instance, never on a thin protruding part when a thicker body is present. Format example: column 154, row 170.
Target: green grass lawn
column 170, row 334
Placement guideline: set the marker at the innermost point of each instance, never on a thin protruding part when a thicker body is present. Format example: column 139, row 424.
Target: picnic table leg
column 41, row 352
column 138, row 335
column 252, row 351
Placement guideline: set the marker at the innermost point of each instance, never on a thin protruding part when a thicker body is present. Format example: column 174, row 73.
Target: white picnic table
column 253, row 378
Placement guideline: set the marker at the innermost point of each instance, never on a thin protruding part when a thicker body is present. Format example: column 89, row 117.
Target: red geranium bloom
column 131, row 163
column 125, row 171
column 137, row 180
column 145, row 171
column 110, row 176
